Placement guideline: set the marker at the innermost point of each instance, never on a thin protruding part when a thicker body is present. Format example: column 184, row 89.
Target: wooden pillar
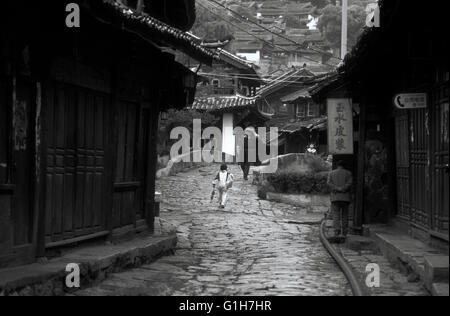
column 150, row 210
column 39, row 179
column 358, row 220
column 111, row 148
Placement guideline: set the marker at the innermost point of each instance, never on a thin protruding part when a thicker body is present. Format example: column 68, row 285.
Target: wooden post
column 359, row 209
column 37, row 160
column 153, row 157
column 111, row 143
column 40, row 220
column 344, row 28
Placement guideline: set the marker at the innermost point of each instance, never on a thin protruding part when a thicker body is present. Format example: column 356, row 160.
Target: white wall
column 228, row 138
column 254, row 58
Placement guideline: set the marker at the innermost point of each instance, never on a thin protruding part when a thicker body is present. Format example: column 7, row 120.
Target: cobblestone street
column 253, row 247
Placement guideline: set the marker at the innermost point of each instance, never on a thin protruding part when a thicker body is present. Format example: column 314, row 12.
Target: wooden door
column 131, row 165
column 440, row 157
column 77, row 125
column 402, row 157
column 419, row 173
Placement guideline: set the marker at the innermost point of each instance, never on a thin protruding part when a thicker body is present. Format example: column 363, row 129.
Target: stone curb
column 49, row 279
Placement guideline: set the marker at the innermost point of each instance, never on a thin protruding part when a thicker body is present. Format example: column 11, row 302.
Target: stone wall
column 177, row 165
column 312, row 203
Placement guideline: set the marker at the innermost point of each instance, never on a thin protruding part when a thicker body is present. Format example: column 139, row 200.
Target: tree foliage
column 181, row 118
column 330, row 24
column 209, row 27
column 294, row 22
column 185, row 118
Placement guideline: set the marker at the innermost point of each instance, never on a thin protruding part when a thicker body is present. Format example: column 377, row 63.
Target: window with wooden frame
column 215, row 85
column 301, row 110
column 313, row 109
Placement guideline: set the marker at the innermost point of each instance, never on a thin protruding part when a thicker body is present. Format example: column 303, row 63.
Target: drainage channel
column 357, row 288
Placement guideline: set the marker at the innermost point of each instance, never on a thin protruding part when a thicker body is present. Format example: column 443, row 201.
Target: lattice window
column 301, row 110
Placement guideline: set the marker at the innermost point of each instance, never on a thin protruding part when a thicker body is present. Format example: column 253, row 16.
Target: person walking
column 245, row 165
column 224, row 182
column 340, row 182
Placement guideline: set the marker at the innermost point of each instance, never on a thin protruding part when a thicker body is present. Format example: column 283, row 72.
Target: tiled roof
column 300, row 8
column 235, row 60
column 239, row 46
column 327, row 82
column 273, row 4
column 155, row 30
column 300, row 94
column 217, row 103
column 318, row 123
column 228, row 57
column 284, row 80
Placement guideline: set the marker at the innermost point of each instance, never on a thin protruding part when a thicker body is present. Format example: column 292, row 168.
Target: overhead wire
column 273, row 81
column 269, row 30
column 260, row 39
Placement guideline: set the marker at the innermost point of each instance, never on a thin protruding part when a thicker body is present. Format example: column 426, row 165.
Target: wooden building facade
column 402, row 157
column 299, row 119
column 79, row 112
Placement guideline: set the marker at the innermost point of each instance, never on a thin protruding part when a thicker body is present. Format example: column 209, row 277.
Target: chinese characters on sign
column 411, row 101
column 340, row 126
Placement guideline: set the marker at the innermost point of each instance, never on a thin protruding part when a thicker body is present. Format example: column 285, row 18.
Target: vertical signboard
column 340, row 126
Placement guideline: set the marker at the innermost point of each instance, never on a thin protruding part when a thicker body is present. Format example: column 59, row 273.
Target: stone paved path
column 253, row 247
column 393, row 281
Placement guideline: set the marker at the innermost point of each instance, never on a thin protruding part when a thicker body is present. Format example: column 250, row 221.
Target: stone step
column 360, row 243
column 436, row 270
column 412, row 256
column 96, row 262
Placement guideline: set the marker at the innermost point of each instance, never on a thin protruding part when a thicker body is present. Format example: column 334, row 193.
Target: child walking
column 223, row 181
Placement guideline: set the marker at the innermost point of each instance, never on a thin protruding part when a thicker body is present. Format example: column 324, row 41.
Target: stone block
column 436, row 270
column 359, row 243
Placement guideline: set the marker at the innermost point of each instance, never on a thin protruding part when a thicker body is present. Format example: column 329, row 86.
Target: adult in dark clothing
column 340, row 182
column 245, row 165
